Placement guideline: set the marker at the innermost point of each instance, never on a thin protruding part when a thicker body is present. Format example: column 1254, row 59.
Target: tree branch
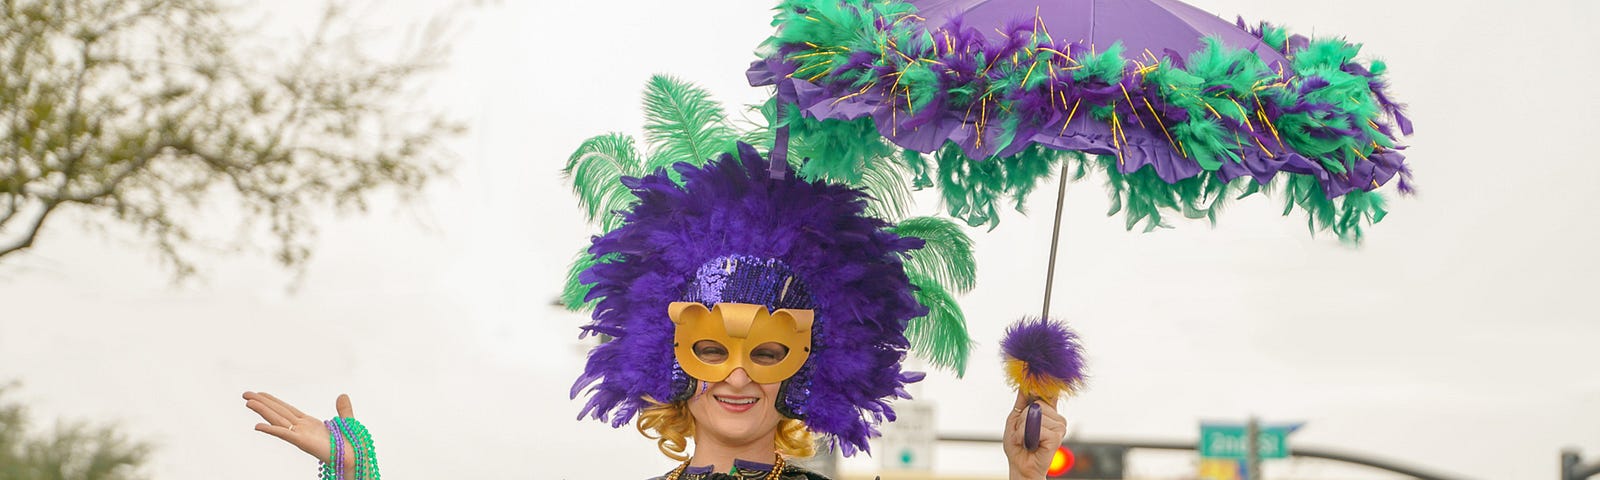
column 150, row 107
column 11, row 208
column 30, row 233
column 111, row 184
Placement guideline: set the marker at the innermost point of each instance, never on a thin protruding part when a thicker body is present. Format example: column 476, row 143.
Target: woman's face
column 736, row 411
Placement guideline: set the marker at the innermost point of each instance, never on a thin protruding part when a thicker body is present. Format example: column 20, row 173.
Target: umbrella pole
column 1055, row 238
column 779, row 156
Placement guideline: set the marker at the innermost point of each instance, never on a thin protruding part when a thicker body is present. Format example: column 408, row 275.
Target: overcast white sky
column 1460, row 338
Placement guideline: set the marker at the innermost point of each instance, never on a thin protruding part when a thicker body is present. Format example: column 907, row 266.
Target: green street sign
column 1228, row 440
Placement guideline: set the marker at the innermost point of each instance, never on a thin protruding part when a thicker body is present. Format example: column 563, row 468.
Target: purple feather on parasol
column 1044, row 360
column 1043, row 357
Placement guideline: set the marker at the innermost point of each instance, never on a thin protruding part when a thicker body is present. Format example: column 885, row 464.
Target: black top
column 746, row 470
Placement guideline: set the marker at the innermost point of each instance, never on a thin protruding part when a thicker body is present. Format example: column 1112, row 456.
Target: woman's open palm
column 303, row 431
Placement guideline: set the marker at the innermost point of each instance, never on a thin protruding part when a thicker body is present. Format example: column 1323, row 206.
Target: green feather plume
column 941, row 336
column 920, row 176
column 596, row 170
column 683, row 124
column 1030, row 167
column 970, row 188
column 837, row 150
column 947, row 255
column 1143, row 197
column 574, row 291
column 888, row 195
column 1345, row 215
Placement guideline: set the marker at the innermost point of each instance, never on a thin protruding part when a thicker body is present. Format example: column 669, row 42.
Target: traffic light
column 1061, row 462
column 1098, row 461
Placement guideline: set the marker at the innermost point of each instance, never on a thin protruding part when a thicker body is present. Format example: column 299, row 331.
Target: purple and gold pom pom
column 1043, row 358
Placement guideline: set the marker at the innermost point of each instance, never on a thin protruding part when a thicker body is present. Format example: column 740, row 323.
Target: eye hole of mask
column 711, row 352
column 766, row 354
column 769, row 353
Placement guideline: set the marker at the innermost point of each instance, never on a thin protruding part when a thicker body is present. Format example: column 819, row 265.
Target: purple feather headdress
column 732, row 210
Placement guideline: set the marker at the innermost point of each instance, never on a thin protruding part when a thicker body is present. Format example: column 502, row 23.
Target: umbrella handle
column 1030, row 431
column 779, row 156
column 779, row 164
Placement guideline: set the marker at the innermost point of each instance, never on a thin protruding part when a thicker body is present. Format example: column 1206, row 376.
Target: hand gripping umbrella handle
column 1030, row 431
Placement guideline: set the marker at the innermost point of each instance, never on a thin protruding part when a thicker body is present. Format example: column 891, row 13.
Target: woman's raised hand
column 1031, row 464
column 303, row 431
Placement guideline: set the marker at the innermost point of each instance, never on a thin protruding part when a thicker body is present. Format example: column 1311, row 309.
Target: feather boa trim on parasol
column 1173, row 133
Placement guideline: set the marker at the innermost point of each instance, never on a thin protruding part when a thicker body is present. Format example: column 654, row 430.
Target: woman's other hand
column 1026, row 464
column 303, row 431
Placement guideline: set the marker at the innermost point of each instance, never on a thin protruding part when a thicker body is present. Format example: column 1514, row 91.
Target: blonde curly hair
column 671, row 426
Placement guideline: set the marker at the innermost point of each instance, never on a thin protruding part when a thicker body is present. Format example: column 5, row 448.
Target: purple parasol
column 1153, row 83
column 1153, row 25
column 1179, row 108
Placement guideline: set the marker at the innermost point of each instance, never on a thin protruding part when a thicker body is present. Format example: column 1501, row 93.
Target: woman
column 746, row 310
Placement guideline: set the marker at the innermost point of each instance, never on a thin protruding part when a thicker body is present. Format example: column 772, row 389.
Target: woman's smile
column 736, row 404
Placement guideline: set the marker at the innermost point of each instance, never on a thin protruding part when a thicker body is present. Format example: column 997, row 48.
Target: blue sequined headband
column 748, row 279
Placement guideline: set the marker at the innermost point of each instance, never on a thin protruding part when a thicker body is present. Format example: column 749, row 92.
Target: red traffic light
column 1061, row 462
column 1102, row 461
